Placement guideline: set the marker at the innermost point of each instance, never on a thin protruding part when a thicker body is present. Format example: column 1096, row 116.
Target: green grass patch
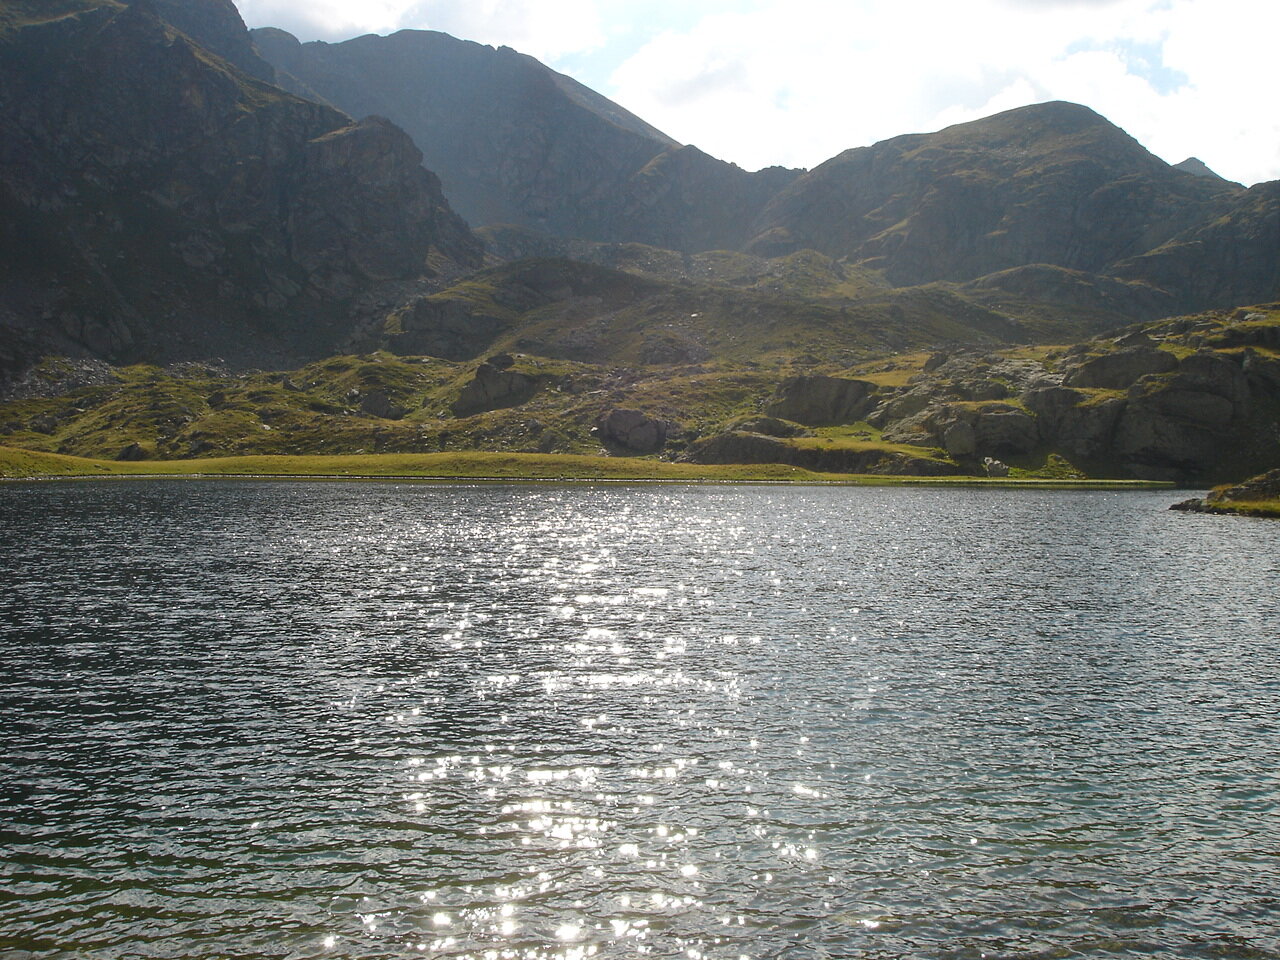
column 27, row 464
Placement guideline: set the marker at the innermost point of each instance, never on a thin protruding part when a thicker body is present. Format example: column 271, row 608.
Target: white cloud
column 797, row 81
column 794, row 82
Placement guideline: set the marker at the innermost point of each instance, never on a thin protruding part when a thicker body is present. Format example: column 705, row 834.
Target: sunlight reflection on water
column 524, row 723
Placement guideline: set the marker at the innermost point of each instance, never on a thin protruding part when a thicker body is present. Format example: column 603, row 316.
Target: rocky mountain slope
column 514, row 142
column 1051, row 183
column 158, row 202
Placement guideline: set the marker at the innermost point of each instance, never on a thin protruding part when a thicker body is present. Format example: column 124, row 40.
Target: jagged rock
column 632, row 430
column 821, row 401
column 493, row 388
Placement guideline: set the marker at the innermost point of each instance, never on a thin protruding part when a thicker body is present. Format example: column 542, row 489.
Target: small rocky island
column 1256, row 497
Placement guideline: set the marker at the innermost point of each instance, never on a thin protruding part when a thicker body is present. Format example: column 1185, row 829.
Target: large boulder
column 494, row 388
column 821, row 400
column 633, row 431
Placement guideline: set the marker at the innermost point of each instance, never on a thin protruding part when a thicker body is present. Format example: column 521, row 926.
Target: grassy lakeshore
column 18, row 464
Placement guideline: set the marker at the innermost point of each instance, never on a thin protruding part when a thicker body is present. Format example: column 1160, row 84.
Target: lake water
column 524, row 722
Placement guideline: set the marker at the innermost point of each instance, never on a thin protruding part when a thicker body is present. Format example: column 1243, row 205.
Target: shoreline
column 19, row 465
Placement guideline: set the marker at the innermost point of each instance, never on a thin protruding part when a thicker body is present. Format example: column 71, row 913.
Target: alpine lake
column 264, row 719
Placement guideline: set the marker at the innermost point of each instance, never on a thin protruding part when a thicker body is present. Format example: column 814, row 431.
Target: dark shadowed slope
column 159, row 203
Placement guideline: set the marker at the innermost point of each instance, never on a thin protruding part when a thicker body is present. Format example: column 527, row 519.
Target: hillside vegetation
column 1190, row 399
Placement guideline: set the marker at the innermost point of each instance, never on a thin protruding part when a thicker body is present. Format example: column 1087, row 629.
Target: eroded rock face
column 1207, row 416
column 633, row 431
column 820, row 400
column 971, row 431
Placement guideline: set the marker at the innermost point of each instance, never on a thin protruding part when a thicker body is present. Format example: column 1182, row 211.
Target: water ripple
column 281, row 720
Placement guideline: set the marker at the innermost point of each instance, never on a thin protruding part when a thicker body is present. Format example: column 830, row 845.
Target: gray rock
column 132, row 452
column 1004, row 429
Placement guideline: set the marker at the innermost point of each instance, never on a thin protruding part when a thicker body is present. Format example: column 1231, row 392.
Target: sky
column 794, row 82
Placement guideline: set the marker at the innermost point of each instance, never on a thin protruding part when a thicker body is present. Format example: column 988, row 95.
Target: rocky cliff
column 157, row 202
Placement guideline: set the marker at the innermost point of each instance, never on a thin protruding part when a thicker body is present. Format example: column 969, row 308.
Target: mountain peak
column 1197, row 167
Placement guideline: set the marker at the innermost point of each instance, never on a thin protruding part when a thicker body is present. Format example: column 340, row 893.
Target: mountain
column 158, row 202
column 514, row 142
column 1051, row 183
